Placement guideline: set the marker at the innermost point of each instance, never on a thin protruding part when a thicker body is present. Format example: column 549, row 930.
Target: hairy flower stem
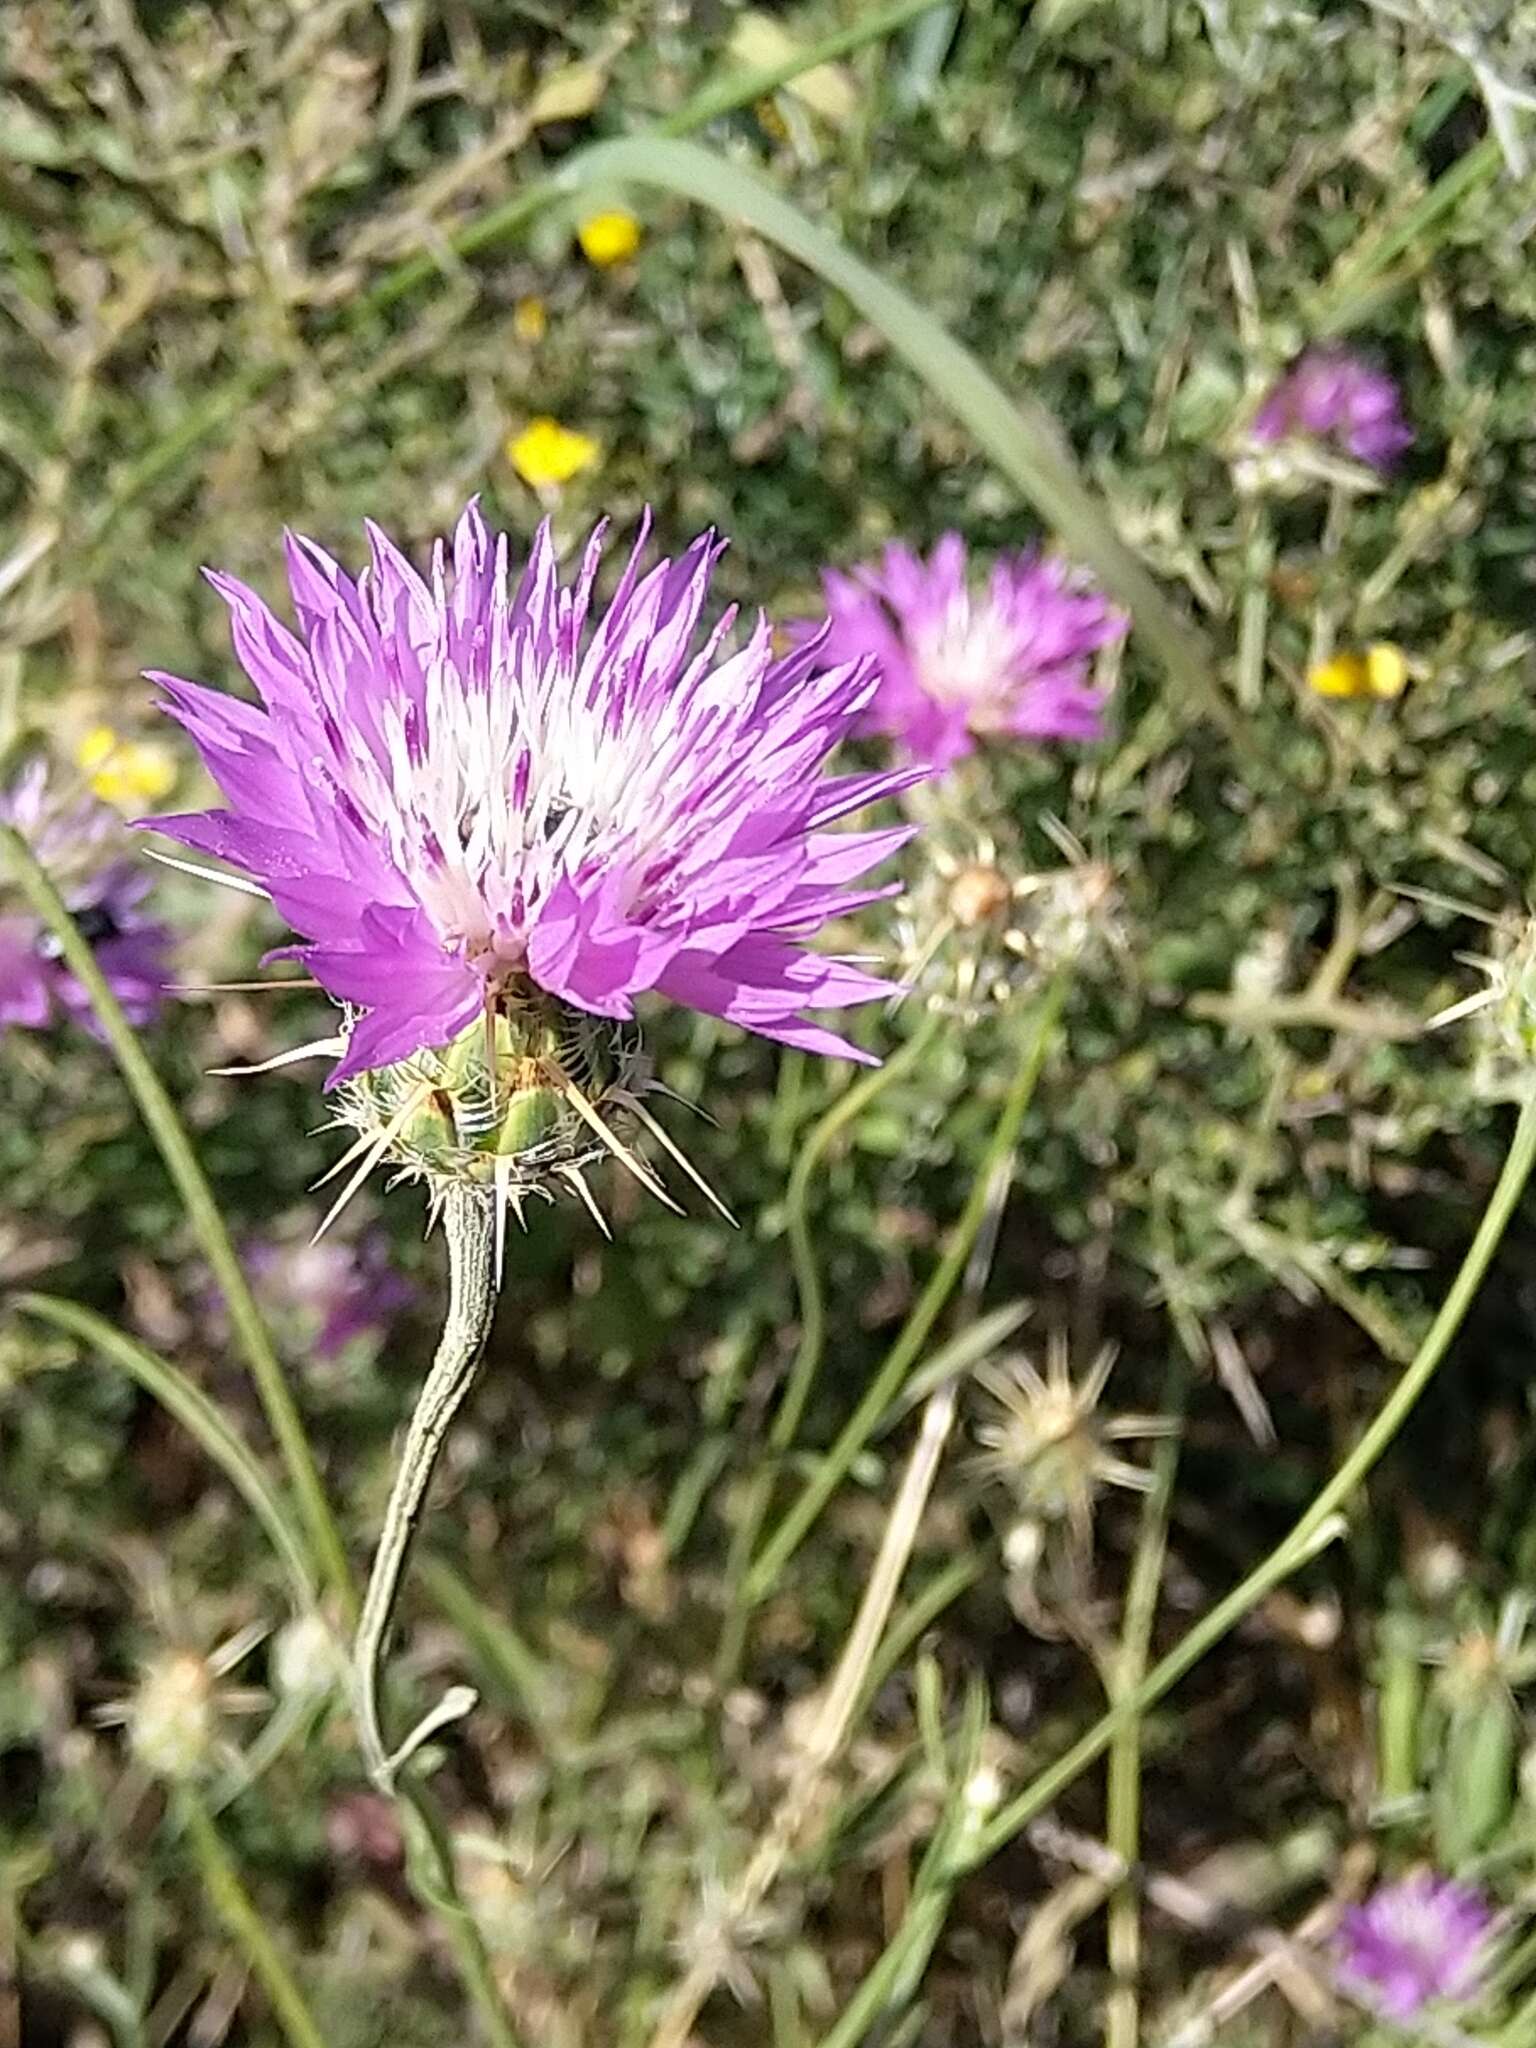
column 469, row 1226
column 900, row 1965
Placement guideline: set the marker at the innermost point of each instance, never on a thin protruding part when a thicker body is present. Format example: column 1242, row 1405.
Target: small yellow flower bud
column 1343, row 676
column 1380, row 672
column 546, row 453
column 609, row 238
column 1386, row 670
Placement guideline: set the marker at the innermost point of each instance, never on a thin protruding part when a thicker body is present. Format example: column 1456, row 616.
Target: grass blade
column 196, row 1413
column 175, row 1147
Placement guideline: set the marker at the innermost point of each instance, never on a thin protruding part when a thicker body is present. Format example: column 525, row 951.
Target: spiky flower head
column 1504, row 1033
column 1047, row 1442
column 79, row 842
column 1332, row 394
column 978, row 927
column 1421, row 1938
column 959, row 663
column 174, row 1716
column 467, row 794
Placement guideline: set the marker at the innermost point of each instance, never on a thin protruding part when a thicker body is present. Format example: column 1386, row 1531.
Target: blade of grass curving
column 1019, row 436
column 477, row 237
column 181, row 1161
column 914, row 1937
column 180, row 1397
column 890, row 1380
column 736, row 89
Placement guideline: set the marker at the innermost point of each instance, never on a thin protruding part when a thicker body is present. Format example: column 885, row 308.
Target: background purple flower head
column 1333, row 394
column 462, row 784
column 957, row 664
column 79, row 842
column 343, row 1290
column 1420, row 1938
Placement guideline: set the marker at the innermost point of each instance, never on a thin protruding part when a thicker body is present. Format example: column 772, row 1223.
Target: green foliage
column 1245, row 1148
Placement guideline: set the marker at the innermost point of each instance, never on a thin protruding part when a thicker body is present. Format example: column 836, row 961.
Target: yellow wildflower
column 546, row 453
column 608, row 238
column 1386, row 670
column 126, row 772
column 1381, row 671
column 530, row 319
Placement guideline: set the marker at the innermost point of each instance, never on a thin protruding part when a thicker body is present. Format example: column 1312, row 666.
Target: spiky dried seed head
column 173, row 1716
column 978, row 894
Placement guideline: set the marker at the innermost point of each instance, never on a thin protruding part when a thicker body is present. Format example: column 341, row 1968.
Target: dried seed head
column 1504, row 1009
column 977, row 895
column 173, row 1716
column 978, row 928
column 1050, row 1447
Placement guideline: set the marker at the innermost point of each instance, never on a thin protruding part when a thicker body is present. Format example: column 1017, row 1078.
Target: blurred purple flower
column 956, row 664
column 461, row 789
column 341, row 1290
column 1333, row 394
column 1420, row 1938
column 74, row 841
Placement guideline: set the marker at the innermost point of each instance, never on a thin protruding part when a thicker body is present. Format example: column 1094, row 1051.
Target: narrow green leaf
column 195, row 1412
column 185, row 1169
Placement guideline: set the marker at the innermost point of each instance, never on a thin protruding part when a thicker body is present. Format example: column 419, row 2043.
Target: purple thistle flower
column 342, row 1290
column 957, row 665
column 1420, row 1938
column 73, row 841
column 461, row 788
column 1333, row 394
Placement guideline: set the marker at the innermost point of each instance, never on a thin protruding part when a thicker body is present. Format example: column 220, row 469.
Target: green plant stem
column 1020, row 436
column 903, row 1355
column 916, row 1934
column 235, row 1908
column 192, row 1408
column 1122, row 2018
column 429, row 1866
column 845, row 1110
column 835, row 1712
column 469, row 1227
column 176, row 1149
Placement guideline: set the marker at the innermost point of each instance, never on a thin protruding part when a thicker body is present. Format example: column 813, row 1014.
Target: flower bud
column 307, row 1660
column 509, row 1105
